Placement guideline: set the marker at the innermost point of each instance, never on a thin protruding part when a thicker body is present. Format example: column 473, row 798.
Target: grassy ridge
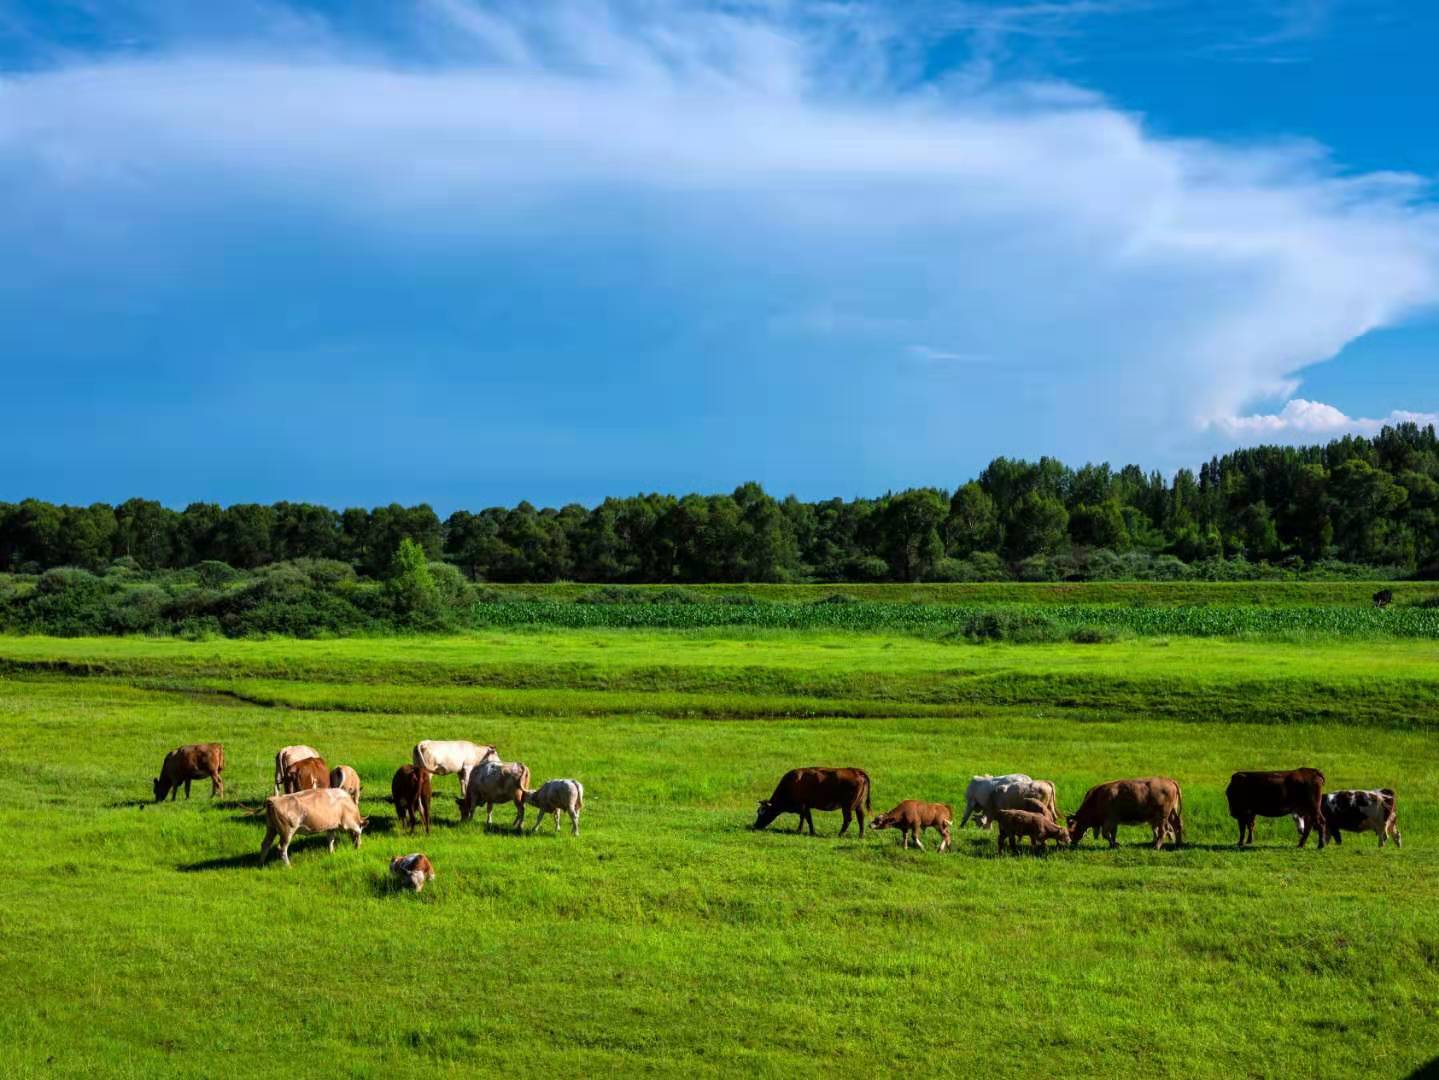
column 141, row 940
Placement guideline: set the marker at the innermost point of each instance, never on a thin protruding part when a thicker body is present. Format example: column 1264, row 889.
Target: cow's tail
column 866, row 791
column 579, row 795
column 252, row 810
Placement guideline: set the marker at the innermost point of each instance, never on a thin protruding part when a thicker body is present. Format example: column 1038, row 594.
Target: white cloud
column 1166, row 284
column 1301, row 419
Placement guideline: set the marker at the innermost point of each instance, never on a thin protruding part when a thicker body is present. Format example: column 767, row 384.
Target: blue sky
column 472, row 253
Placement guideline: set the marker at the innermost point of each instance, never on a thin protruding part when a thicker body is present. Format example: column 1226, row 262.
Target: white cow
column 412, row 871
column 1012, row 796
column 557, row 795
column 347, row 779
column 316, row 810
column 493, row 782
column 450, row 756
column 978, row 796
column 287, row 757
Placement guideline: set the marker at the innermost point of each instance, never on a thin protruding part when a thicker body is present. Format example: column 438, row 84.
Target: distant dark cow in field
column 1154, row 801
column 911, row 818
column 288, row 756
column 346, row 779
column 318, row 810
column 1383, row 598
column 306, row 774
column 1038, row 826
column 1297, row 792
column 493, row 782
column 412, row 871
column 410, row 791
column 194, row 762
column 1360, row 811
column 800, row 791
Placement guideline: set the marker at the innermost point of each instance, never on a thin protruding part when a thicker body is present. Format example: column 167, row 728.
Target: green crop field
column 669, row 938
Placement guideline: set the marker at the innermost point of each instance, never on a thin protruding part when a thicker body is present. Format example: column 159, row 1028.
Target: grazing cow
column 1360, row 811
column 194, row 762
column 443, row 757
column 554, row 796
column 288, row 756
column 980, row 792
column 412, row 871
column 1154, row 801
column 1383, row 598
column 1013, row 796
column 1039, row 827
column 1277, row 794
column 410, row 791
column 307, row 773
column 800, row 791
column 493, row 782
column 912, row 818
column 346, row 779
column 323, row 810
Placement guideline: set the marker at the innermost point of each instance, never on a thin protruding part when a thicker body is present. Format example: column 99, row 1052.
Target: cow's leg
column 809, row 819
column 425, row 813
column 799, row 814
column 1161, row 828
column 332, row 841
column 265, row 843
column 968, row 811
column 1240, row 823
column 944, row 838
column 1321, row 822
column 489, row 814
column 1398, row 840
column 1305, row 825
column 174, row 792
column 845, row 827
column 187, row 787
column 285, row 839
column 574, row 823
column 519, row 812
column 217, row 786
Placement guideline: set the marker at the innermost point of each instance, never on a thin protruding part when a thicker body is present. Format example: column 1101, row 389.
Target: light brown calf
column 912, row 817
column 1039, row 827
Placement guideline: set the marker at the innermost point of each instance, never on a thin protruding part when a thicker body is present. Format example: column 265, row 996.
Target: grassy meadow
column 668, row 938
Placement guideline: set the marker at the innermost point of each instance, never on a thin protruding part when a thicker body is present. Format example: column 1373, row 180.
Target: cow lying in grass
column 1038, row 826
column 911, row 818
column 318, row 810
column 412, row 871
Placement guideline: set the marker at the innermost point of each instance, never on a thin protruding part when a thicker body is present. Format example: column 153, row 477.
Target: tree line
column 1355, row 500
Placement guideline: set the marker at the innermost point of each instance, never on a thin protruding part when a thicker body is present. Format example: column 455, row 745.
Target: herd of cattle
column 310, row 797
column 1024, row 807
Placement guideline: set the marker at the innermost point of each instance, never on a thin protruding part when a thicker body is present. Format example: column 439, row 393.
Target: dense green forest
column 1318, row 510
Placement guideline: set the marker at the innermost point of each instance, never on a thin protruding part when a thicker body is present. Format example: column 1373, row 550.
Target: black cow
column 817, row 788
column 1298, row 792
column 1383, row 598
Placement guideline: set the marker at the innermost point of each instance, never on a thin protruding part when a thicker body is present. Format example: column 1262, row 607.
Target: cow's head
column 766, row 814
column 1071, row 837
column 1063, row 835
column 883, row 821
column 161, row 787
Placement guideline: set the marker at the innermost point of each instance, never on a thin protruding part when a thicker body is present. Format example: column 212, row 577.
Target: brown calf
column 1037, row 825
column 911, row 818
column 306, row 774
column 194, row 762
column 410, row 791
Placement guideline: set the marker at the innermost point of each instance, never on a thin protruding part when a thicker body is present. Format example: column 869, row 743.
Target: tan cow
column 346, row 779
column 288, row 756
column 557, row 795
column 493, row 782
column 1038, row 827
column 318, row 810
column 412, row 871
column 1155, row 801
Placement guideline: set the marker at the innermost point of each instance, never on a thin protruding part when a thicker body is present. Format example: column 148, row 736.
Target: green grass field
column 668, row 938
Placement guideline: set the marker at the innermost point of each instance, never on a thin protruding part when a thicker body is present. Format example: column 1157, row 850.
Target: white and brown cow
column 318, row 810
column 493, row 782
column 346, row 779
column 1013, row 796
column 979, row 796
column 1369, row 810
column 287, row 757
column 554, row 796
column 412, row 871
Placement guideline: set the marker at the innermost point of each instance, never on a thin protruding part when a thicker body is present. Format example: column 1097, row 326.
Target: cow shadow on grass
column 1428, row 1071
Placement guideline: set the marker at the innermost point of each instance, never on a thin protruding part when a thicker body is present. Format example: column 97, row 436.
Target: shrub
column 609, row 594
column 213, row 574
column 675, row 596
column 450, row 585
column 410, row 587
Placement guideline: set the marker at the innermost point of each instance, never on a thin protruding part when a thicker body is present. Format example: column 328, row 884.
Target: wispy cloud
column 1171, row 284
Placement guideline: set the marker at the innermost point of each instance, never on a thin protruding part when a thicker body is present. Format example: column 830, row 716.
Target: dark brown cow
column 194, row 762
column 410, row 791
column 1277, row 794
column 1037, row 825
column 306, row 774
column 911, row 818
column 1153, row 800
column 800, row 791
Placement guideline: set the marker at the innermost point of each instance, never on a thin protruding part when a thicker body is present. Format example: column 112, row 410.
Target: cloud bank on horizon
column 943, row 223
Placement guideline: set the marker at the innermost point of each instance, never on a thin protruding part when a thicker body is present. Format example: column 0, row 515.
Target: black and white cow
column 1360, row 811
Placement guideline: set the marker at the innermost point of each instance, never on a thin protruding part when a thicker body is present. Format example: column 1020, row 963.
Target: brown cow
column 306, row 774
column 800, row 791
column 1154, row 801
column 1277, row 794
column 1037, row 825
column 410, row 791
column 912, row 818
column 194, row 762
